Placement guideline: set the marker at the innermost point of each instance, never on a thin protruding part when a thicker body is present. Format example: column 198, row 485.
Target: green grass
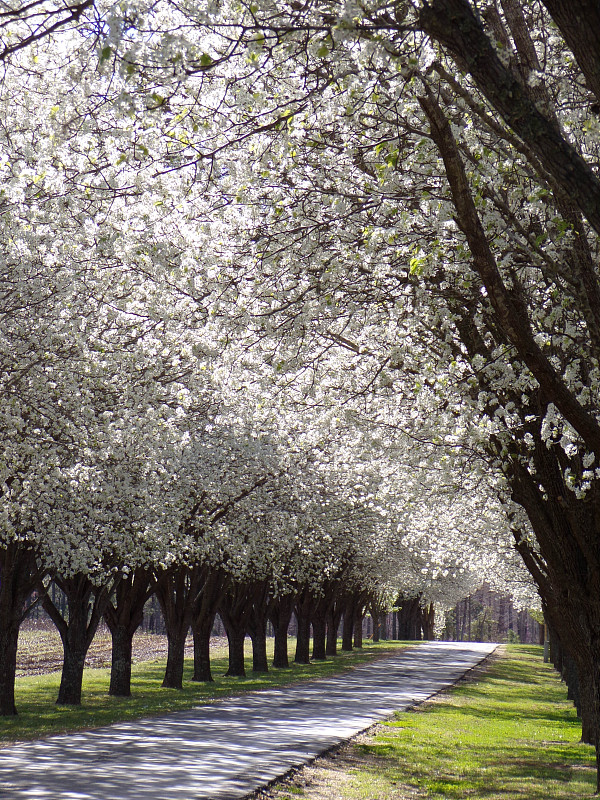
column 510, row 734
column 40, row 716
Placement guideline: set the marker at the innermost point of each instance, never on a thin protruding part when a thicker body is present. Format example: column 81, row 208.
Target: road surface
column 229, row 748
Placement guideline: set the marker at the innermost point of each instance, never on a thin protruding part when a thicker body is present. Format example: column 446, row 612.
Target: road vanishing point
column 229, row 748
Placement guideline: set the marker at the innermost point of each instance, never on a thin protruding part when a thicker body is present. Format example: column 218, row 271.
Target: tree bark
column 19, row 576
column 120, row 668
column 9, row 636
column 358, row 632
column 177, row 591
column 334, row 616
column 235, row 639
column 86, row 604
column 201, row 633
column 204, row 611
column 348, row 623
column 124, row 614
column 280, row 615
column 376, row 617
column 453, row 24
column 319, row 626
column 235, row 609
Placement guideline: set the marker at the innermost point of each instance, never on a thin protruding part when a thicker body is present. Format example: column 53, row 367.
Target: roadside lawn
column 505, row 732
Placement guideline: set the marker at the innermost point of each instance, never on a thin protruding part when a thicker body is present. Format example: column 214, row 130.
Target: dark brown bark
column 120, row 667
column 348, row 623
column 409, row 618
column 319, row 626
column 511, row 316
column 257, row 626
column 86, row 604
column 358, row 632
column 177, row 590
column 235, row 609
column 19, row 576
column 235, row 639
column 201, row 633
column 124, row 614
column 334, row 616
column 214, row 584
column 376, row 617
column 303, row 609
column 579, row 23
column 428, row 621
column 173, row 678
column 280, row 614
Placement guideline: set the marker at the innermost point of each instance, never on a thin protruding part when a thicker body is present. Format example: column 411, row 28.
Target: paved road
column 228, row 749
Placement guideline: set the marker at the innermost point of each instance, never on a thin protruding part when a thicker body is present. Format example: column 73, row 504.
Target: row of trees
column 281, row 281
column 417, row 184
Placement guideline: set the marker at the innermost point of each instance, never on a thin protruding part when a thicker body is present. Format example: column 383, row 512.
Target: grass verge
column 509, row 734
column 40, row 716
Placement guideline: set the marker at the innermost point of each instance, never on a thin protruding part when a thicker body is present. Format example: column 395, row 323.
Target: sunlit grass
column 40, row 716
column 512, row 734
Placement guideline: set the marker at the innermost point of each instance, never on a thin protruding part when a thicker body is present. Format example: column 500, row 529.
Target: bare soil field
column 40, row 649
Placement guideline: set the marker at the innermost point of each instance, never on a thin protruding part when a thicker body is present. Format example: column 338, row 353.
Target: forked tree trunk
column 177, row 590
column 123, row 615
column 19, row 576
column 86, row 604
column 235, row 609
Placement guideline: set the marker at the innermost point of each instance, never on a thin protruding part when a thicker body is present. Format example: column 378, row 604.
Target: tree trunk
column 376, row 617
column 177, row 590
column 409, row 618
column 86, row 604
column 124, row 614
column 334, row 615
column 319, row 626
column 428, row 622
column 202, row 669
column 71, row 681
column 280, row 613
column 236, row 607
column 348, row 624
column 120, row 668
column 173, row 678
column 258, row 636
column 235, row 639
column 19, row 576
column 204, row 612
column 358, row 626
column 9, row 635
column 304, row 607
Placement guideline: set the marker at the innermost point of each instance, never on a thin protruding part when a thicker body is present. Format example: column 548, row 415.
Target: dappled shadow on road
column 227, row 749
